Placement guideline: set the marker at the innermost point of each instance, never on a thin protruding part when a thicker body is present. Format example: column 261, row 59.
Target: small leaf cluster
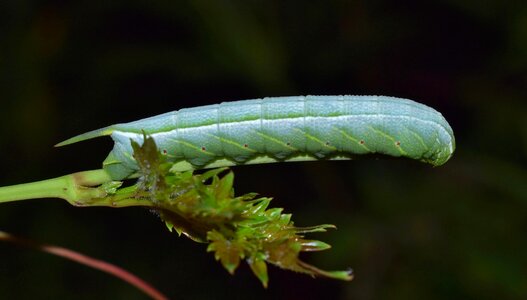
column 204, row 208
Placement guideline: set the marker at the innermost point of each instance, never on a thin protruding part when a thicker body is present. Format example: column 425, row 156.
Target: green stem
column 79, row 189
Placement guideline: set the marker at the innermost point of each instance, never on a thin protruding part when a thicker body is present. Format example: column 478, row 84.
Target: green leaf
column 223, row 191
column 312, row 245
column 259, row 268
column 227, row 252
column 204, row 208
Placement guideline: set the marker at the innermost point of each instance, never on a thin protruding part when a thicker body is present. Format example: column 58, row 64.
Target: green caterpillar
column 283, row 129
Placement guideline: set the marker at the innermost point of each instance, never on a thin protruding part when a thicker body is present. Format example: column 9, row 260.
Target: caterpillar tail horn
column 86, row 136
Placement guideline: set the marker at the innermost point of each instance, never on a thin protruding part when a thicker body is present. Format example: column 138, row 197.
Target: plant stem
column 79, row 189
column 91, row 262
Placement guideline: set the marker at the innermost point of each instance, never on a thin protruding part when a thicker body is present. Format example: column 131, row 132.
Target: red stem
column 90, row 262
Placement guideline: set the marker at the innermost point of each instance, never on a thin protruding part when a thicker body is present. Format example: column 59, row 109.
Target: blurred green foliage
column 409, row 231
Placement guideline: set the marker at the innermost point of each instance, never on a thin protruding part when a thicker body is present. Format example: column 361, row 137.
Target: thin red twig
column 88, row 261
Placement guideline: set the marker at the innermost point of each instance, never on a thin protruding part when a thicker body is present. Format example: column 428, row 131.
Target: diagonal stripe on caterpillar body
column 284, row 129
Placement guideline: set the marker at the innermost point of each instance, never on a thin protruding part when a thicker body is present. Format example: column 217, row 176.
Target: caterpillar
column 279, row 129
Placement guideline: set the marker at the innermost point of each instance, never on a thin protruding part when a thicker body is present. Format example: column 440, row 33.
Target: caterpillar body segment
column 284, row 129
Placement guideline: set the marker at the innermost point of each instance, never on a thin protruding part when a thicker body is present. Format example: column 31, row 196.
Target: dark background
column 408, row 230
